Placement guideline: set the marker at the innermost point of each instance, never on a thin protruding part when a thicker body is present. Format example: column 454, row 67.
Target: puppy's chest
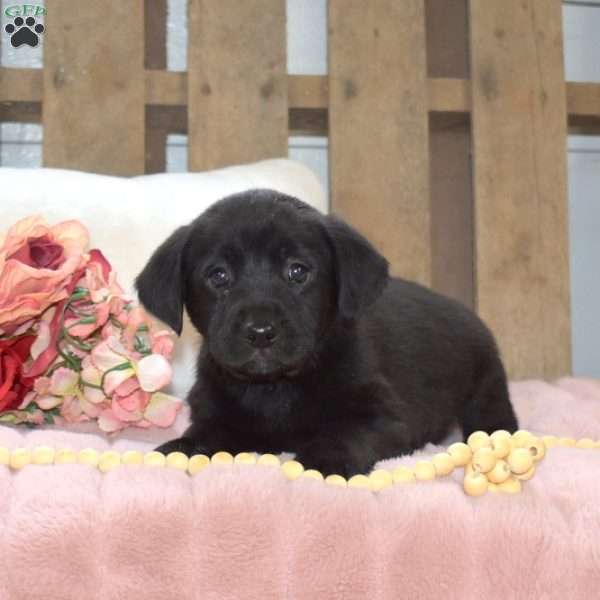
column 273, row 407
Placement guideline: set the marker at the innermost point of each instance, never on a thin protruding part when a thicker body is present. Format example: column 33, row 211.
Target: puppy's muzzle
column 260, row 334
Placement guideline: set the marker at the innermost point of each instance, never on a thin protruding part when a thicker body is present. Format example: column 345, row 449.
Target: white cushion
column 129, row 217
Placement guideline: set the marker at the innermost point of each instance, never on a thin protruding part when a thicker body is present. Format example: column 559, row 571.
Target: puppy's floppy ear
column 361, row 272
column 161, row 285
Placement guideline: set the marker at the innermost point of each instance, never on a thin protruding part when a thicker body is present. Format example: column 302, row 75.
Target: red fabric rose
column 13, row 384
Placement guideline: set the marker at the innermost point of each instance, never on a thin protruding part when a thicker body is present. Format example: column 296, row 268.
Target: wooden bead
column 500, row 472
column 597, row 444
column 132, row 457
column 585, row 444
column 177, row 460
column 359, row 481
column 537, row 449
column 336, row 480
column 109, row 460
column 484, row 460
column 313, row 474
column 403, row 474
column 65, row 456
column 566, row 442
column 424, row 470
column 475, row 484
column 197, row 463
column 550, row 441
column 511, row 486
column 501, row 446
column 4, row 456
column 520, row 461
column 526, row 476
column 292, row 469
column 381, row 479
column 478, row 439
column 443, row 464
column 88, row 456
column 245, row 458
column 461, row 454
column 522, row 437
column 155, row 459
column 42, row 455
column 19, row 458
column 221, row 458
column 268, row 459
column 470, row 469
column 500, row 434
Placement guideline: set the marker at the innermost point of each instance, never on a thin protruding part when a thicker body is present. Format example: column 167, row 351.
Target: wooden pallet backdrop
column 447, row 123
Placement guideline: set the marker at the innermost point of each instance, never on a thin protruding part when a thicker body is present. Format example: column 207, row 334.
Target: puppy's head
column 263, row 277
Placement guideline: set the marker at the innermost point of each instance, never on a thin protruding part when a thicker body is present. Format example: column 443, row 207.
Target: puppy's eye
column 218, row 277
column 298, row 273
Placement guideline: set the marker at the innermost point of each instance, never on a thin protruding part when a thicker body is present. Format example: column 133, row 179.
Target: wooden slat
column 169, row 88
column 583, row 99
column 20, row 112
column 237, row 86
column 583, row 103
column 155, row 34
column 155, row 57
column 519, row 140
column 20, row 85
column 93, row 112
column 378, row 127
column 308, row 91
column 448, row 95
column 452, row 258
column 166, row 88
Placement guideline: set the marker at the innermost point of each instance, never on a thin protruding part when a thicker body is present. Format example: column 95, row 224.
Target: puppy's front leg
column 354, row 449
column 198, row 439
column 182, row 444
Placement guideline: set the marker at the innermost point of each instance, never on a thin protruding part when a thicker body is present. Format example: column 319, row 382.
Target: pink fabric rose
column 37, row 263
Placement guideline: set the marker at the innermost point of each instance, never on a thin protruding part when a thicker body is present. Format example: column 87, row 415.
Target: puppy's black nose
column 260, row 335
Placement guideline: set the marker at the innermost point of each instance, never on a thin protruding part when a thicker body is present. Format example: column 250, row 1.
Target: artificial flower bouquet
column 72, row 347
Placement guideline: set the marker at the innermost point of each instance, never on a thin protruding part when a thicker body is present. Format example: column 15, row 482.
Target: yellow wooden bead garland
column 499, row 462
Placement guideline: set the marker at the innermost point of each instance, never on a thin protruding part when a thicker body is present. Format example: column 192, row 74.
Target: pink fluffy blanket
column 237, row 532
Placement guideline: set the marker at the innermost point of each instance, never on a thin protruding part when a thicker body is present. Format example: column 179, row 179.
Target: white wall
column 581, row 23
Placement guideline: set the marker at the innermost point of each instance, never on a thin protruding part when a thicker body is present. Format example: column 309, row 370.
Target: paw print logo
column 24, row 32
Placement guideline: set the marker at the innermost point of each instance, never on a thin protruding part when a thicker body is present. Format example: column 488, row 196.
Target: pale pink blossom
column 153, row 372
column 64, row 382
column 162, row 409
column 162, row 343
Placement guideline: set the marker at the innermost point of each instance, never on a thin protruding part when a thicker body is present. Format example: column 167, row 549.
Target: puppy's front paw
column 185, row 445
column 335, row 464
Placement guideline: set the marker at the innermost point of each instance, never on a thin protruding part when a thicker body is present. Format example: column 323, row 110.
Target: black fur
column 362, row 367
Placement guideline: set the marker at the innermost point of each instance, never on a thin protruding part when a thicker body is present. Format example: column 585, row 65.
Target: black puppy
column 309, row 347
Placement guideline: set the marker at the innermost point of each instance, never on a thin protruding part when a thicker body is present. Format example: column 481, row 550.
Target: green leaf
column 78, row 294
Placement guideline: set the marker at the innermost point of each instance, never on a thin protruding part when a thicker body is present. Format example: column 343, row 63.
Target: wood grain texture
column 155, row 60
column 169, row 88
column 378, row 127
column 155, row 34
column 519, row 145
column 93, row 106
column 452, row 260
column 237, row 85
